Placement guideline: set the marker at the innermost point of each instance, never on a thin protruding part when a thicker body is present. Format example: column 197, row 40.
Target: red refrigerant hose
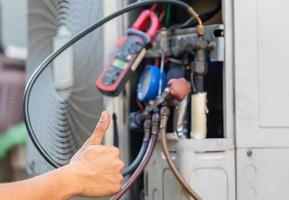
column 165, row 112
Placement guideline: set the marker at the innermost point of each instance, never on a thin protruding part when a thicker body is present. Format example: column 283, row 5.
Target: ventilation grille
column 64, row 119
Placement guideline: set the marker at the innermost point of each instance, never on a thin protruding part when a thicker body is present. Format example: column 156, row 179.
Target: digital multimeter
column 130, row 51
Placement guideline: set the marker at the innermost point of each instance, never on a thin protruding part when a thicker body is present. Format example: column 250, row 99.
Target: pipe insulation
column 181, row 118
column 199, row 112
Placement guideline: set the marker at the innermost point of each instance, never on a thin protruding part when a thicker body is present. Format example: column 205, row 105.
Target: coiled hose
column 165, row 112
column 46, row 63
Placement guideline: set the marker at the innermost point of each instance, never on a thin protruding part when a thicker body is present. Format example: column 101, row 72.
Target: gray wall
column 14, row 23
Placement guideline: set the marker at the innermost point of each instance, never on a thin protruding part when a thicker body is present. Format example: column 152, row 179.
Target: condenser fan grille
column 63, row 119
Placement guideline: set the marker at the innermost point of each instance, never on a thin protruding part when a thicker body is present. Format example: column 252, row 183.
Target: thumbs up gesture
column 96, row 168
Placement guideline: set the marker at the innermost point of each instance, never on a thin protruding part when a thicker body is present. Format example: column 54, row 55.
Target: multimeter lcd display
column 119, row 63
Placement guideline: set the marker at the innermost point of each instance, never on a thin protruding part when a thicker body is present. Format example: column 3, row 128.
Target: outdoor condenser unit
column 246, row 158
column 65, row 103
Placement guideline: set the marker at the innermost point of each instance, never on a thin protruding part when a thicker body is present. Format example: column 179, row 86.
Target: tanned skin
column 94, row 171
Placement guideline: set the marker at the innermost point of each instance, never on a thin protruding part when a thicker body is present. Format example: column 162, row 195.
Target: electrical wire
column 163, row 130
column 168, row 14
column 162, row 15
column 77, row 37
column 115, row 131
column 161, row 72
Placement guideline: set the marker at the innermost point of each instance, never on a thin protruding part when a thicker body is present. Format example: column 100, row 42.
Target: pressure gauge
column 149, row 82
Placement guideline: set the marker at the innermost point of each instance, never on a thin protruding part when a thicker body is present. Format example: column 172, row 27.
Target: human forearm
column 94, row 171
column 56, row 185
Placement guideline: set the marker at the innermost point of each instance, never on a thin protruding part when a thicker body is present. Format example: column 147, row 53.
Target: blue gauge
column 148, row 85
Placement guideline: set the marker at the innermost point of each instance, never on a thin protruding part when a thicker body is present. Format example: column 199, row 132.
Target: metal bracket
column 178, row 41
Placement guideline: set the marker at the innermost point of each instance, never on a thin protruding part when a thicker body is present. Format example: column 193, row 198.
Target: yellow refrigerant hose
column 165, row 112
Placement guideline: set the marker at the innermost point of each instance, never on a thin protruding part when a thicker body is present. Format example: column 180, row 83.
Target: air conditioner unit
column 65, row 104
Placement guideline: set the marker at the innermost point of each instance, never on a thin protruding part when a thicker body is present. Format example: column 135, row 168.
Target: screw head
column 249, row 152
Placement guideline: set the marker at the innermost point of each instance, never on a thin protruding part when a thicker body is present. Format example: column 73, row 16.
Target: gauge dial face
column 148, row 85
column 145, row 84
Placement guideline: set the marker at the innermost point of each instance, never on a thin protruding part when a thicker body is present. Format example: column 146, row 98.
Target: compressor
column 178, row 80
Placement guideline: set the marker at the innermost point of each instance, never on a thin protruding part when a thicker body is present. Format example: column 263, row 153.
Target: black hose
column 56, row 53
column 128, row 170
column 140, row 168
column 147, row 133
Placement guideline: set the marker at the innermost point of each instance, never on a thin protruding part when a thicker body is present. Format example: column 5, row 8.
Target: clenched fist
column 97, row 168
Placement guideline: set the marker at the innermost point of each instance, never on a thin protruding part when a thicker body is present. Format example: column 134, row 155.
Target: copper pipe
column 145, row 160
column 194, row 14
column 165, row 111
column 200, row 27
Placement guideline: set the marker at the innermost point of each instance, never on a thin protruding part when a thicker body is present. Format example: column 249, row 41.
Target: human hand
column 96, row 168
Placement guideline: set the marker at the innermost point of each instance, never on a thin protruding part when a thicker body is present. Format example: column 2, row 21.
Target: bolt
column 249, row 153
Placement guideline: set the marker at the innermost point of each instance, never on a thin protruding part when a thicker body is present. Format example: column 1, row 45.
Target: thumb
column 100, row 129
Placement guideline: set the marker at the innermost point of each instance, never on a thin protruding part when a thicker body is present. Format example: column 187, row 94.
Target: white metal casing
column 255, row 108
column 206, row 164
column 261, row 98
